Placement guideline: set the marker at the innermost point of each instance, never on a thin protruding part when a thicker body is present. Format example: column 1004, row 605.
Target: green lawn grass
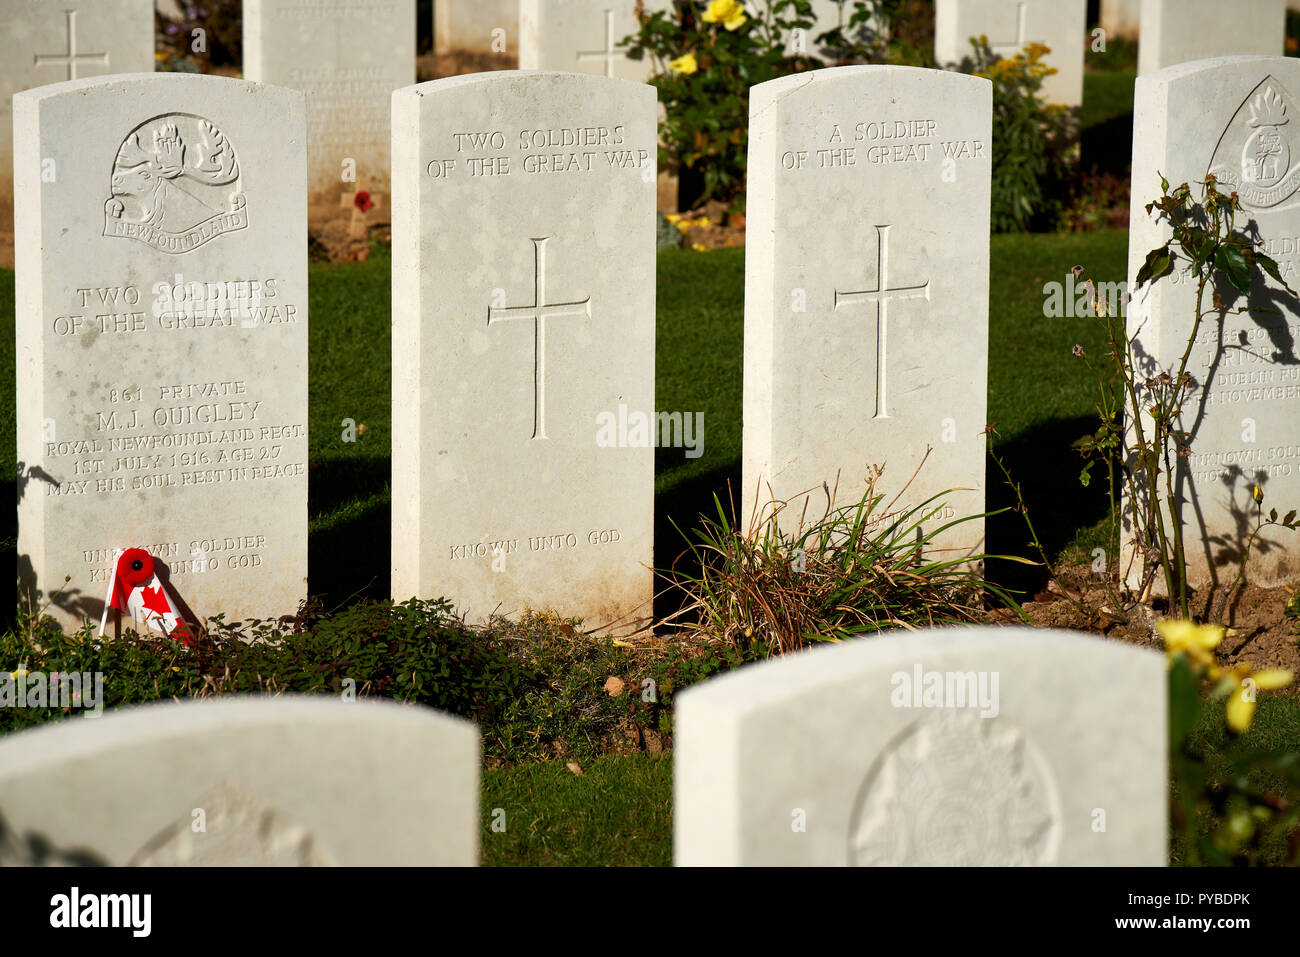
column 617, row 813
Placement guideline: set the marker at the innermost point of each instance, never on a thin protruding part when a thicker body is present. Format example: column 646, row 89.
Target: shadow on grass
column 1106, row 147
column 350, row 559
column 683, row 504
column 1047, row 469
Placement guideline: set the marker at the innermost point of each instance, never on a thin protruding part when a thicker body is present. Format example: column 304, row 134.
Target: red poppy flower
column 362, row 201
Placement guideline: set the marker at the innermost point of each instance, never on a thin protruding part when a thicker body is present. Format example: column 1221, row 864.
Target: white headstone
column 162, row 340
column 348, row 56
column 45, row 42
column 581, row 36
column 476, row 26
column 1236, row 118
column 246, row 781
column 523, row 322
column 866, row 287
column 1010, row 26
column 1121, row 18
column 963, row 746
column 1176, row 31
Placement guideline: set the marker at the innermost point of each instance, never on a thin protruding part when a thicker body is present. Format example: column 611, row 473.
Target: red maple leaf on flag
column 155, row 600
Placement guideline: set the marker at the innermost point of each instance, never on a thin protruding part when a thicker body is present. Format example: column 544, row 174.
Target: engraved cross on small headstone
column 880, row 297
column 72, row 57
column 539, row 312
column 1009, row 48
column 609, row 54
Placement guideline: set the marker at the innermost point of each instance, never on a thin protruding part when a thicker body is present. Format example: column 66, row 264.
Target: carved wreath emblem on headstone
column 957, row 789
column 176, row 185
column 1254, row 153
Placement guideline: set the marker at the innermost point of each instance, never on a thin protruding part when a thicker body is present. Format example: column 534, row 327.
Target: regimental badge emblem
column 176, row 185
column 1254, row 155
column 957, row 789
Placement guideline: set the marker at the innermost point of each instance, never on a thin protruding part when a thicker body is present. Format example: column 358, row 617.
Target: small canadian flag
column 135, row 588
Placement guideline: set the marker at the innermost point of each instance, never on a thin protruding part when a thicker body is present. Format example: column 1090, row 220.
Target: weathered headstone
column 162, row 340
column 348, row 58
column 274, row 781
column 963, row 746
column 523, row 317
column 476, row 26
column 866, row 288
column 581, row 36
column 1235, row 118
column 45, row 42
column 1176, row 31
column 1009, row 26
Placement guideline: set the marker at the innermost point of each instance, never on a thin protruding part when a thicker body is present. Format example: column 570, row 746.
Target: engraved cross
column 880, row 297
column 72, row 57
column 609, row 54
column 539, row 312
column 1022, row 19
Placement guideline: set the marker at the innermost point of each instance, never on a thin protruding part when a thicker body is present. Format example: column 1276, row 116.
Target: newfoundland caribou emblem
column 1254, row 155
column 175, row 185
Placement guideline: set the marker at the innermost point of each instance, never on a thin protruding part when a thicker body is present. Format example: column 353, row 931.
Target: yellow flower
column 1257, row 494
column 684, row 64
column 1243, row 682
column 699, row 249
column 672, row 217
column 1196, row 641
column 730, row 13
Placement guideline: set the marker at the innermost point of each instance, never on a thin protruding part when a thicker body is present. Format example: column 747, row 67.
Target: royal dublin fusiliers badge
column 176, row 185
column 1254, row 155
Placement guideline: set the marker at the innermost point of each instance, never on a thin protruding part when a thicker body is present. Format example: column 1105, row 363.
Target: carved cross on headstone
column 610, row 53
column 72, row 58
column 1009, row 48
column 880, row 297
column 539, row 312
